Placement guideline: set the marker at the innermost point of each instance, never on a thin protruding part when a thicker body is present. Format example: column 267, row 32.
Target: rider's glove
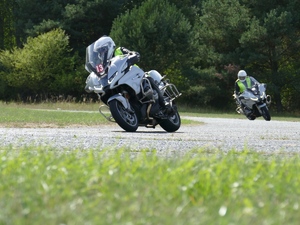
column 138, row 56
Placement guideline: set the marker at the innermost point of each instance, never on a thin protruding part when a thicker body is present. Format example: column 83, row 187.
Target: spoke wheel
column 125, row 119
column 172, row 123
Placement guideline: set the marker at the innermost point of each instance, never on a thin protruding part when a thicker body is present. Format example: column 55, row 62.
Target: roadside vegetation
column 41, row 185
column 199, row 45
column 55, row 115
column 63, row 114
column 46, row 185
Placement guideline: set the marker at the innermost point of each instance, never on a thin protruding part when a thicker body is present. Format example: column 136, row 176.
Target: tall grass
column 116, row 186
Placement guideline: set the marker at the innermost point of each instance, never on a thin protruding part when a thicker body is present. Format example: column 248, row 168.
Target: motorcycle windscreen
column 91, row 59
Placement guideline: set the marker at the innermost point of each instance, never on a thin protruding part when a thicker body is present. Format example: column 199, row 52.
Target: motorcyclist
column 106, row 49
column 241, row 84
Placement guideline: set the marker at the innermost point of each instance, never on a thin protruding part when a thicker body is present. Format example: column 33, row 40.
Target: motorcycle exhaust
column 268, row 100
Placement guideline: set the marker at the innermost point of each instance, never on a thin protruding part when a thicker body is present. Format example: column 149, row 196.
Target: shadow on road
column 147, row 132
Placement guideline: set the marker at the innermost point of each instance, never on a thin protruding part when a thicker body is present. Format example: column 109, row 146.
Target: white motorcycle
column 255, row 102
column 130, row 98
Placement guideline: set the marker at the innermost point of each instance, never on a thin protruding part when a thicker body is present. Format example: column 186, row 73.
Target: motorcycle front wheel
column 265, row 113
column 125, row 119
column 172, row 123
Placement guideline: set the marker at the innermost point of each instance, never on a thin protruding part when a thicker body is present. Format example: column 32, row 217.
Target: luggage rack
column 170, row 92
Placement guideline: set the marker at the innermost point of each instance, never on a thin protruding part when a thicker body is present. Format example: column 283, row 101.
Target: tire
column 172, row 123
column 265, row 113
column 126, row 120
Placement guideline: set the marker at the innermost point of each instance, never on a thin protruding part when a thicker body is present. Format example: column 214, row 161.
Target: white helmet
column 242, row 75
column 156, row 76
column 105, row 48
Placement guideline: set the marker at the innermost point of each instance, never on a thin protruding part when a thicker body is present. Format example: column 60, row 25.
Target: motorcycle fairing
column 249, row 94
column 133, row 78
column 117, row 70
column 255, row 99
column 93, row 83
column 245, row 96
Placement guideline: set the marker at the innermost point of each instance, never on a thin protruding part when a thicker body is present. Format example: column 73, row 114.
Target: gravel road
column 225, row 134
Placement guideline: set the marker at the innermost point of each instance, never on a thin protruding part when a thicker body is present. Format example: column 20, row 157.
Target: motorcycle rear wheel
column 265, row 113
column 125, row 119
column 172, row 123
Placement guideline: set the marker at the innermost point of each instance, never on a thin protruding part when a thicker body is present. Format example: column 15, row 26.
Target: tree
column 190, row 8
column 30, row 14
column 41, row 66
column 217, row 31
column 272, row 44
column 86, row 21
column 164, row 42
column 261, row 37
column 7, row 31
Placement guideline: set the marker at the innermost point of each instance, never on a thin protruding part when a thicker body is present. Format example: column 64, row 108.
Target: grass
column 50, row 186
column 54, row 115
column 44, row 185
column 65, row 113
column 20, row 116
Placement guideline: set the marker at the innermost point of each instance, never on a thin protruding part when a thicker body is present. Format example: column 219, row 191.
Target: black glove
column 125, row 50
column 138, row 56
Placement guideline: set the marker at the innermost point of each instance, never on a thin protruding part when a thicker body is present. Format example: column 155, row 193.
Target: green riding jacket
column 242, row 86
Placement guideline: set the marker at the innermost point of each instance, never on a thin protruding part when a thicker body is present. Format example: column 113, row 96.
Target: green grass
column 54, row 115
column 23, row 116
column 86, row 114
column 44, row 185
column 51, row 186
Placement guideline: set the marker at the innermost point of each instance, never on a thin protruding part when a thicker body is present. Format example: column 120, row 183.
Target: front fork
column 261, row 105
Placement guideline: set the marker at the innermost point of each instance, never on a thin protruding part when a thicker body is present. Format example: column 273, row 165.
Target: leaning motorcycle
column 128, row 97
column 256, row 102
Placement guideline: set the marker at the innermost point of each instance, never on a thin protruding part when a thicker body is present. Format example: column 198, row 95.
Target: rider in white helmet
column 106, row 49
column 242, row 83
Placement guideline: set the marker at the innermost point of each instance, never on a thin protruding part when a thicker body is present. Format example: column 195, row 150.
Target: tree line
column 199, row 44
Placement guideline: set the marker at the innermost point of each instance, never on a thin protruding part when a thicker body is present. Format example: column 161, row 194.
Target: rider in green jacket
column 241, row 84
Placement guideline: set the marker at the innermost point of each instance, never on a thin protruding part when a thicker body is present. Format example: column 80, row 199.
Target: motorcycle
column 128, row 96
column 254, row 102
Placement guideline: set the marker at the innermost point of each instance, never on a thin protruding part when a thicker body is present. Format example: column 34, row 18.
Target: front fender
column 259, row 106
column 121, row 99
